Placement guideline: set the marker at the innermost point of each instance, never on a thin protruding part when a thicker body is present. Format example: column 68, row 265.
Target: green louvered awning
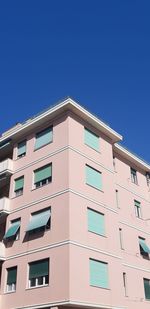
column 13, row 229
column 42, row 173
column 38, row 269
column 144, row 246
column 38, row 220
column 11, row 275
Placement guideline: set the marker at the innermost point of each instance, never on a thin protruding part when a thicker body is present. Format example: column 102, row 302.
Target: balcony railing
column 2, row 252
column 6, row 167
column 4, row 206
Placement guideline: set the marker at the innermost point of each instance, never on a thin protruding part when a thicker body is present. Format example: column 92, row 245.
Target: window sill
column 94, row 187
column 41, row 186
column 42, row 146
column 9, row 292
column 97, row 234
column 17, row 196
column 134, row 183
column 37, row 287
column 98, row 151
column 18, row 158
column 99, row 287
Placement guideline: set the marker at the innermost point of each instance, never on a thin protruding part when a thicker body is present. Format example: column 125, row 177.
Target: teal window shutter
column 38, row 220
column 22, row 148
column 19, row 183
column 13, row 229
column 93, row 177
column 143, row 245
column 91, row 139
column 39, row 269
column 11, row 275
column 96, row 222
column 44, row 137
column 147, row 288
column 43, row 173
column 98, row 274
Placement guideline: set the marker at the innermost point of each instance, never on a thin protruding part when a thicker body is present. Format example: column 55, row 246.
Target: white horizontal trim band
column 59, row 193
column 134, row 227
column 59, row 244
column 133, row 192
column 136, row 267
column 68, row 147
column 70, row 303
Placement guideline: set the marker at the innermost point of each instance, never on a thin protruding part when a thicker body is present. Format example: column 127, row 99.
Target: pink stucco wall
column 69, row 244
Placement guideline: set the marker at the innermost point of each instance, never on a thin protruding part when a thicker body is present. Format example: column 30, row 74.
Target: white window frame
column 11, row 287
column 36, row 282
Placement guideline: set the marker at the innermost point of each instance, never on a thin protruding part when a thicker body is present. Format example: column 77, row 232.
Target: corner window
column 147, row 288
column 93, row 177
column 43, row 176
column 13, row 231
column 43, row 138
column 137, row 206
column 144, row 249
column 11, row 279
column 19, row 184
column 91, row 139
column 134, row 176
column 39, row 220
column 39, row 273
column 21, row 149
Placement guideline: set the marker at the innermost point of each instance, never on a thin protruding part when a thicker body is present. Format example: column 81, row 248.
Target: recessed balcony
column 4, row 206
column 6, row 168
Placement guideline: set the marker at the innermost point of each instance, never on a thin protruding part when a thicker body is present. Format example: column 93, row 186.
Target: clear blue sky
column 96, row 51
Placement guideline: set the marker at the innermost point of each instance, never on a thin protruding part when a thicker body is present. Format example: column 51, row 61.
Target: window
column 39, row 220
column 39, row 273
column 134, row 176
column 91, row 139
column 11, row 279
column 93, row 178
column 19, row 183
column 125, row 283
column 98, row 274
column 147, row 288
column 144, row 249
column 21, row 149
column 13, row 231
column 148, row 178
column 121, row 238
column 96, row 222
column 43, row 176
column 117, row 198
column 44, row 137
column 137, row 206
column 114, row 163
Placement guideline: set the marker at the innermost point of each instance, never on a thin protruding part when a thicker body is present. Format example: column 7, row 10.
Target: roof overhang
column 66, row 105
column 123, row 152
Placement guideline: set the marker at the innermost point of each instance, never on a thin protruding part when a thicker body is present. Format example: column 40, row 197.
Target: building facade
column 74, row 215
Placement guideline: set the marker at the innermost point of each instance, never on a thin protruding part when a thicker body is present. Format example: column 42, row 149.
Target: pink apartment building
column 74, row 215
